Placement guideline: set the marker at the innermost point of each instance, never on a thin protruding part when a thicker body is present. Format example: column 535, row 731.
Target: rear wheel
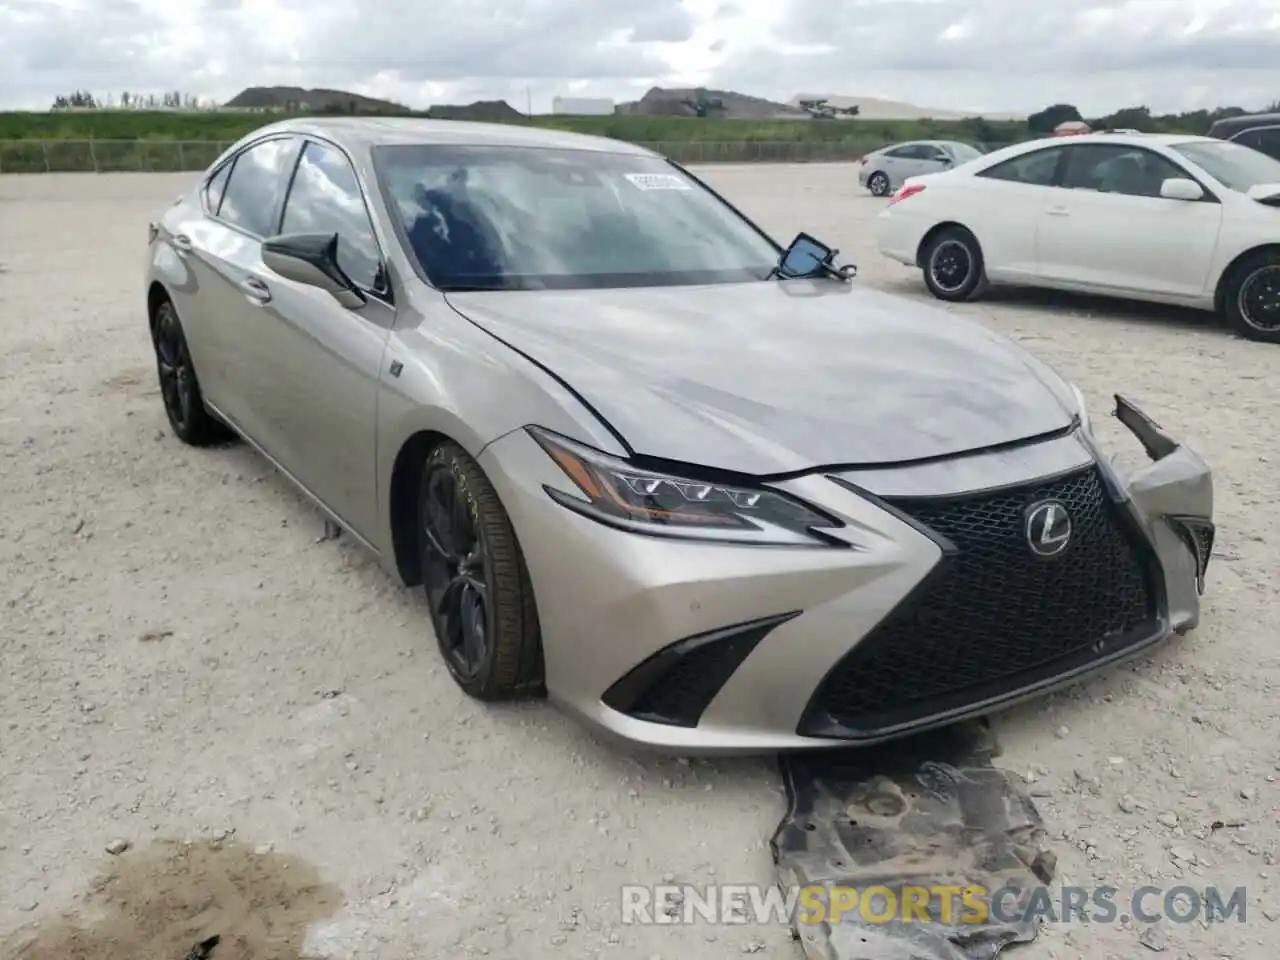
column 1252, row 300
column 953, row 266
column 179, row 386
column 475, row 580
column 878, row 184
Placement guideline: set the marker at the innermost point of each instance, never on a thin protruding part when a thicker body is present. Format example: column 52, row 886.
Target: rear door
column 227, row 256
column 1110, row 229
column 322, row 361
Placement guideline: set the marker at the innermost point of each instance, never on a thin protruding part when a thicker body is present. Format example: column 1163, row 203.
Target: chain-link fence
column 107, row 156
column 156, row 156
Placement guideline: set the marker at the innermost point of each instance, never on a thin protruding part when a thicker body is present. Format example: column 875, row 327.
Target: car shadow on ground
column 1078, row 305
column 1109, row 308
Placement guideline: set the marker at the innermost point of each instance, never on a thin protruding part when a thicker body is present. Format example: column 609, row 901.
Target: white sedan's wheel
column 878, row 184
column 1253, row 297
column 952, row 265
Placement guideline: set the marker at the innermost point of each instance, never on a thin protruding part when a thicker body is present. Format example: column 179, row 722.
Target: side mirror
column 945, row 161
column 1180, row 188
column 804, row 257
column 312, row 258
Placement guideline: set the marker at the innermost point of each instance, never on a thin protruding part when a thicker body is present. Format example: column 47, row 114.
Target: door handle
column 255, row 290
column 1058, row 212
column 181, row 243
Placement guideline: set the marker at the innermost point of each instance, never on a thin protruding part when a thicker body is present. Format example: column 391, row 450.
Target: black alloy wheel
column 1260, row 299
column 1251, row 296
column 950, row 265
column 456, row 574
column 476, row 584
column 951, row 261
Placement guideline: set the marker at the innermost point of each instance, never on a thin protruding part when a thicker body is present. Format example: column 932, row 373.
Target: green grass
column 161, row 125
column 162, row 140
column 154, row 141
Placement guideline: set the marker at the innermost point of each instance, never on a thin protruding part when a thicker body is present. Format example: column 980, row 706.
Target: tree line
column 1138, row 118
column 128, row 100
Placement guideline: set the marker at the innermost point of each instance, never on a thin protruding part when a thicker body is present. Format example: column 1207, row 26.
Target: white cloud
column 995, row 55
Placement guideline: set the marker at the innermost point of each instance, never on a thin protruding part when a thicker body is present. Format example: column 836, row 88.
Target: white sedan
column 1166, row 218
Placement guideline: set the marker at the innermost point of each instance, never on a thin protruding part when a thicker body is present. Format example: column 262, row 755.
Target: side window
column 909, row 152
column 217, row 184
column 1250, row 138
column 1037, row 169
column 933, row 153
column 1263, row 139
column 1117, row 168
column 325, row 198
column 251, row 198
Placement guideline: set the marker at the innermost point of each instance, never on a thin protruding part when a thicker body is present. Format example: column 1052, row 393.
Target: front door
column 1110, row 229
column 324, row 359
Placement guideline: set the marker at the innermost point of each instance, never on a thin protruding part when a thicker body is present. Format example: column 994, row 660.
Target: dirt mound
column 173, row 901
column 484, row 111
column 320, row 100
column 699, row 101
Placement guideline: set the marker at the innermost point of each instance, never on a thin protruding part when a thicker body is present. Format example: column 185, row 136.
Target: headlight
column 618, row 493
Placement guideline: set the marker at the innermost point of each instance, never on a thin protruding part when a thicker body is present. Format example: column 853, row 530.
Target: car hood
column 778, row 377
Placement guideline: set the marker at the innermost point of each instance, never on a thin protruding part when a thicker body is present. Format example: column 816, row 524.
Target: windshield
column 522, row 218
column 1231, row 164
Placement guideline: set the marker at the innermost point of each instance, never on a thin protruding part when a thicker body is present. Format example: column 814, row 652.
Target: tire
column 1251, row 301
column 878, row 184
column 475, row 579
column 179, row 385
column 953, row 267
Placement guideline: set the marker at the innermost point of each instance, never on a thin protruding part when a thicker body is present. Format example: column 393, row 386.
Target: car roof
column 1247, row 122
column 1121, row 139
column 366, row 132
column 914, row 143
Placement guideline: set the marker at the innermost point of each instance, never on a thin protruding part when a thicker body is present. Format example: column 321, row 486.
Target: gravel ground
column 185, row 661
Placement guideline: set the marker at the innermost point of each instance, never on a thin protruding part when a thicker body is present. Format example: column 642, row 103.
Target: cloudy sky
column 994, row 55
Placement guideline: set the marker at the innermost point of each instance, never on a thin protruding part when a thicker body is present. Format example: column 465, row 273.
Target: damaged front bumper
column 1172, row 497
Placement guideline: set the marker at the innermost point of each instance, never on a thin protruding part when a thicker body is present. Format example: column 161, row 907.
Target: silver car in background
column 708, row 494
column 883, row 171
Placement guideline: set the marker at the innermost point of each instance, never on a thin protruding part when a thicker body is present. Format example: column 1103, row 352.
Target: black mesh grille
column 995, row 618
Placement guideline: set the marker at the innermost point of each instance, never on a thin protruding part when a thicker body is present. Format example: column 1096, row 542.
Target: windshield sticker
column 657, row 181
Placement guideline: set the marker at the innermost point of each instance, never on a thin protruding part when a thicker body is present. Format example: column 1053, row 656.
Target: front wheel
column 1252, row 301
column 878, row 184
column 953, row 267
column 475, row 580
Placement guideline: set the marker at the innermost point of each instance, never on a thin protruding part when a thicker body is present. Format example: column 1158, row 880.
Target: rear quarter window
column 252, row 197
column 1038, row 168
column 216, row 185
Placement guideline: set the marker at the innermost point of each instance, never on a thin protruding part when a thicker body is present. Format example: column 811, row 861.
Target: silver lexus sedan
column 703, row 490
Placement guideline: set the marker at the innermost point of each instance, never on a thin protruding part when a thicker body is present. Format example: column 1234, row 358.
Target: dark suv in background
column 1260, row 131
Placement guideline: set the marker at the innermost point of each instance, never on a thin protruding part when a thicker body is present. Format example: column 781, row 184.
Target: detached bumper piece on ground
column 924, row 813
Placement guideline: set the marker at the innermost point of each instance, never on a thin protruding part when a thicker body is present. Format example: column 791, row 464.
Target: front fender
column 442, row 376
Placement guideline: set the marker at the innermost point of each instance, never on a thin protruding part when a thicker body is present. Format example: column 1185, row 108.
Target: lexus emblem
column 1047, row 527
